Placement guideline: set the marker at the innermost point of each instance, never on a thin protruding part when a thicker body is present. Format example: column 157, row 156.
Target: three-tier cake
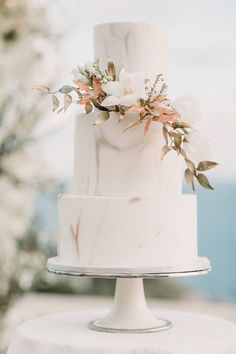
column 127, row 209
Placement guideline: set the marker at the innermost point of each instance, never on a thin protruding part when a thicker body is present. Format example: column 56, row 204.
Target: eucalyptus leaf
column 206, row 165
column 67, row 101
column 102, row 117
column 66, row 89
column 42, row 89
column 202, row 179
column 191, row 166
column 55, row 102
column 164, row 151
column 189, row 178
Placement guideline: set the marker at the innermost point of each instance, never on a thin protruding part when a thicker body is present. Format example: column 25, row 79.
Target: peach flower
column 164, row 114
column 137, row 108
column 86, row 98
column 97, row 87
column 81, row 84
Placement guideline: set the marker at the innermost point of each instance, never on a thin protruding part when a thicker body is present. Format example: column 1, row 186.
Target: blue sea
column 216, row 236
column 217, row 241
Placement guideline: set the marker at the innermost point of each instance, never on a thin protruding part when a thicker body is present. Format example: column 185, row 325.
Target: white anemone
column 126, row 91
column 198, row 147
column 187, row 107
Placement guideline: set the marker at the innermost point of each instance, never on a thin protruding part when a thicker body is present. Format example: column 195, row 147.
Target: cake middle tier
column 127, row 231
column 115, row 162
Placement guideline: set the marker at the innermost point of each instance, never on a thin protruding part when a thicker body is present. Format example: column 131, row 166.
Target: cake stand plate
column 130, row 313
column 200, row 266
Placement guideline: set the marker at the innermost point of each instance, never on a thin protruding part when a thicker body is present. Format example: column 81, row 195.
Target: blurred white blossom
column 198, row 147
column 26, row 51
column 188, row 109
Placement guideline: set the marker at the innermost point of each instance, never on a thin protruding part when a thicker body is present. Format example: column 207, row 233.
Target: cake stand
column 130, row 313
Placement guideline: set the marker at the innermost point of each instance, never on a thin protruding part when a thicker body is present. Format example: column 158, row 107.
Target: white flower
column 78, row 76
column 80, row 72
column 89, row 66
column 197, row 148
column 187, row 107
column 126, row 91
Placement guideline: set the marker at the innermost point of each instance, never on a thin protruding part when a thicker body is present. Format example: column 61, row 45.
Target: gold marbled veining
column 75, row 235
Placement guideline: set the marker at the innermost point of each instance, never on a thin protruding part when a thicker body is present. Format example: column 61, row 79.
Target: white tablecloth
column 67, row 333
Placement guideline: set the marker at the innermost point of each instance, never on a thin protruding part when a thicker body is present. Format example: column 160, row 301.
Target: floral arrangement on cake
column 101, row 90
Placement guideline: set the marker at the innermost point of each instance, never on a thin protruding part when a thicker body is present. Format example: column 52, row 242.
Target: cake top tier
column 138, row 47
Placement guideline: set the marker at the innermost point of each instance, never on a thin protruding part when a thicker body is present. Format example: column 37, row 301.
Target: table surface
column 67, row 333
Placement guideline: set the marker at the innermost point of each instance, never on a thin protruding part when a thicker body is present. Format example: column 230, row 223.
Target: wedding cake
column 127, row 209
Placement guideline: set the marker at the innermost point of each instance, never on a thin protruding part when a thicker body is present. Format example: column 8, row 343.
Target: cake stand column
column 129, row 312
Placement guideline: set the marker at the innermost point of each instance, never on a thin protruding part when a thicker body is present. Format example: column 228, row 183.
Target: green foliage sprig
column 155, row 107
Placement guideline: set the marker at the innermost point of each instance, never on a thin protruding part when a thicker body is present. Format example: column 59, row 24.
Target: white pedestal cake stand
column 130, row 313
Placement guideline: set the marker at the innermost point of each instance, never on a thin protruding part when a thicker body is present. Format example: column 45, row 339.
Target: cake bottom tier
column 114, row 232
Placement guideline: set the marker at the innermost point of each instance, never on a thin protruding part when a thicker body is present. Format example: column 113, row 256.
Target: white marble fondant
column 128, row 210
column 109, row 161
column 132, row 45
column 128, row 232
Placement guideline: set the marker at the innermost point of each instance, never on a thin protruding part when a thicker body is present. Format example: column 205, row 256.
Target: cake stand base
column 129, row 313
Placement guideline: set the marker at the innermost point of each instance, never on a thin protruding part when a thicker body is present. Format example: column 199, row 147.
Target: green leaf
column 191, row 166
column 66, row 89
column 101, row 118
column 42, row 89
column 165, row 134
column 206, row 165
column 67, row 101
column 189, row 178
column 55, row 102
column 202, row 179
column 164, row 151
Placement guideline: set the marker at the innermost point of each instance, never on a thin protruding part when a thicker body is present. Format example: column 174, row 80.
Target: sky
column 201, row 63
